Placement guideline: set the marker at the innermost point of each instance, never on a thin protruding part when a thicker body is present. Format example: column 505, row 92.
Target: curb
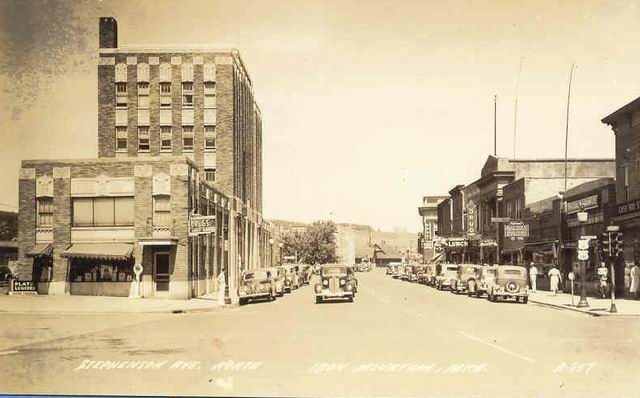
column 569, row 308
column 155, row 311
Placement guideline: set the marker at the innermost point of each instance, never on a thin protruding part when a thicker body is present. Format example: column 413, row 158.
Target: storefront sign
column 427, row 231
column 471, row 218
column 590, row 202
column 457, row 242
column 488, row 243
column 516, row 230
column 629, row 207
column 202, row 224
column 23, row 287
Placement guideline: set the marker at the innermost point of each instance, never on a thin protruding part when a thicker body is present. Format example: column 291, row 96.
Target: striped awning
column 101, row 251
column 40, row 249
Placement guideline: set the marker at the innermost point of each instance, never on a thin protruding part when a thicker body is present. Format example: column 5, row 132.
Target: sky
column 367, row 106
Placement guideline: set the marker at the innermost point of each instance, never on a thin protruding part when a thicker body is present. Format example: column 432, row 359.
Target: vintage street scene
column 311, row 198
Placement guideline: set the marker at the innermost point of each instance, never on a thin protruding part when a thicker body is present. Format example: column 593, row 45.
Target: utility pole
column 495, row 129
column 563, row 209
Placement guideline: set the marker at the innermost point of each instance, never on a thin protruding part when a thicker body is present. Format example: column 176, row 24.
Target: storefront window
column 92, row 270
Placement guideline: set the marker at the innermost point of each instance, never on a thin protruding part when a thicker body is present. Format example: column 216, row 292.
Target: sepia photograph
column 320, row 198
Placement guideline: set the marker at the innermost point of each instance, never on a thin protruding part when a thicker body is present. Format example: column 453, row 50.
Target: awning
column 548, row 247
column 435, row 258
column 102, row 251
column 40, row 249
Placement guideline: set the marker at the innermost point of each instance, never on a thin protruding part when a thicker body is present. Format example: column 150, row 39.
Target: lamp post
column 613, row 309
column 271, row 252
column 280, row 245
column 582, row 219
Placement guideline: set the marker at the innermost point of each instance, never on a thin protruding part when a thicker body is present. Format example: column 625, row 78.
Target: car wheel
column 243, row 301
column 351, row 299
column 525, row 300
column 318, row 299
column 517, row 299
column 471, row 287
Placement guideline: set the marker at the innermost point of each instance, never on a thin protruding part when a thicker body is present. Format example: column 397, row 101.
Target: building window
column 143, row 138
column 161, row 211
column 121, row 139
column 45, row 212
column 187, row 143
column 143, row 95
column 143, row 88
column 103, row 212
column 121, row 88
column 210, row 174
column 165, row 88
column 209, row 142
column 187, row 94
column 210, row 88
column 165, row 138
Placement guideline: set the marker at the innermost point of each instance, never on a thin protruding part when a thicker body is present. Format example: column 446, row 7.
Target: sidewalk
column 597, row 306
column 66, row 304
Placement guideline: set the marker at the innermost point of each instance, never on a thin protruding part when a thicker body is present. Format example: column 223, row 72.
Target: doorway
column 161, row 265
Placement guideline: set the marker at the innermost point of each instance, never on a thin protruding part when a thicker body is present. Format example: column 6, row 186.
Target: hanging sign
column 202, row 224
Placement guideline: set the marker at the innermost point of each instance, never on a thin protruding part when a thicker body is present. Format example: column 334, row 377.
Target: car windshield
column 334, row 271
column 258, row 275
column 490, row 272
column 470, row 270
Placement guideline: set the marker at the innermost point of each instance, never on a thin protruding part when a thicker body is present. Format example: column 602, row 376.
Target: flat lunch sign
column 516, row 230
column 23, row 287
column 202, row 224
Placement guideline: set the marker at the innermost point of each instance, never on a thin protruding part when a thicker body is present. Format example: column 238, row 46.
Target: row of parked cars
column 269, row 283
column 498, row 282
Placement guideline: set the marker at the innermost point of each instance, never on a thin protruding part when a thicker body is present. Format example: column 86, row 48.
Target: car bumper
column 254, row 295
column 330, row 294
column 510, row 294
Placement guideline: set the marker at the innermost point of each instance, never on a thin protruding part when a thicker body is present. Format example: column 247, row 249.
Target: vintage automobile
column 256, row 284
column 466, row 275
column 398, row 270
column 509, row 282
column 430, row 272
column 406, row 272
column 305, row 274
column 412, row 274
column 421, row 274
column 277, row 275
column 336, row 282
column 446, row 275
column 487, row 274
column 390, row 270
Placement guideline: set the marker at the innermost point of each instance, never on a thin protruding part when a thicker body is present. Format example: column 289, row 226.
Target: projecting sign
column 583, row 244
column 471, row 218
column 516, row 230
column 590, row 202
column 583, row 255
column 202, row 224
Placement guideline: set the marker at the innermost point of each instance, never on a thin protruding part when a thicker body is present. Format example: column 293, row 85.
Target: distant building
column 428, row 211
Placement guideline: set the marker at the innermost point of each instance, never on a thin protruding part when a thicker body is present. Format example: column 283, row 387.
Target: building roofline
column 630, row 107
column 550, row 160
column 111, row 160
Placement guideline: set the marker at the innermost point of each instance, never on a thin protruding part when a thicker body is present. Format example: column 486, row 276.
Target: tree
column 316, row 245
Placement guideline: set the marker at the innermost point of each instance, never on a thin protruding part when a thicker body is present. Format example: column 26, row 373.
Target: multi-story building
column 429, row 213
column 176, row 187
column 625, row 123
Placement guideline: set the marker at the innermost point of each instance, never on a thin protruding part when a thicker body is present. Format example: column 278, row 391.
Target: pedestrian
column 602, row 276
column 555, row 279
column 533, row 276
column 222, row 285
column 635, row 281
column 627, row 278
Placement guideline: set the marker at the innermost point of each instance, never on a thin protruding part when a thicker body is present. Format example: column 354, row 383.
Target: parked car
column 305, row 275
column 466, row 275
column 277, row 275
column 446, row 275
column 510, row 282
column 412, row 274
column 487, row 274
column 431, row 271
column 399, row 270
column 336, row 282
column 256, row 284
column 390, row 270
column 421, row 274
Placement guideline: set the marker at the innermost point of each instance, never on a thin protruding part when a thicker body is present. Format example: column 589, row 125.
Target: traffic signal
column 617, row 244
column 605, row 243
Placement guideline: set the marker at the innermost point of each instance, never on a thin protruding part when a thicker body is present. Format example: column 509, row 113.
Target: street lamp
column 271, row 247
column 582, row 219
column 280, row 245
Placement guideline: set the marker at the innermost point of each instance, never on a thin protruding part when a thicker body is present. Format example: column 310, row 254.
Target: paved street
column 396, row 339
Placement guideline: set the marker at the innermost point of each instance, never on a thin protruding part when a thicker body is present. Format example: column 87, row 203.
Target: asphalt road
column 396, row 339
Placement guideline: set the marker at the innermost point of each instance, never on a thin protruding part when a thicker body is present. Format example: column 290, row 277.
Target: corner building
column 179, row 137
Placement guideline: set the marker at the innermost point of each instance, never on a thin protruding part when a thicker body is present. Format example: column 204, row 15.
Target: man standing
column 222, row 284
column 602, row 276
column 635, row 281
column 533, row 276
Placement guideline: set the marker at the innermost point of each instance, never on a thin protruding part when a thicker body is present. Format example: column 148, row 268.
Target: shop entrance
column 161, row 265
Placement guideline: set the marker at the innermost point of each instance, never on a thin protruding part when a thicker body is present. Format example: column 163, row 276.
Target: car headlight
column 342, row 282
column 325, row 282
column 349, row 287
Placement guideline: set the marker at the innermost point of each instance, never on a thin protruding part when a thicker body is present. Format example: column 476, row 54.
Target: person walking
column 555, row 279
column 635, row 281
column 533, row 276
column 602, row 277
column 222, row 285
column 627, row 279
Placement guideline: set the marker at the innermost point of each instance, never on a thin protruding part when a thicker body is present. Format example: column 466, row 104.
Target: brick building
column 179, row 137
column 429, row 214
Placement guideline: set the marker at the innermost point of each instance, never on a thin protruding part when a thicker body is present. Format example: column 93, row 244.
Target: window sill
column 187, row 151
column 210, row 150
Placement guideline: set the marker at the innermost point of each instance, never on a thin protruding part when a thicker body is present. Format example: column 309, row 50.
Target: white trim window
column 121, row 139
column 161, row 211
column 187, row 138
column 165, row 138
column 210, row 138
column 143, row 139
column 210, row 174
column 44, row 212
column 121, row 95
column 143, row 95
column 187, row 94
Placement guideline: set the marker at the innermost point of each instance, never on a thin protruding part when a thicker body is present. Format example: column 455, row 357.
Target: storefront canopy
column 40, row 249
column 102, row 251
column 548, row 247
